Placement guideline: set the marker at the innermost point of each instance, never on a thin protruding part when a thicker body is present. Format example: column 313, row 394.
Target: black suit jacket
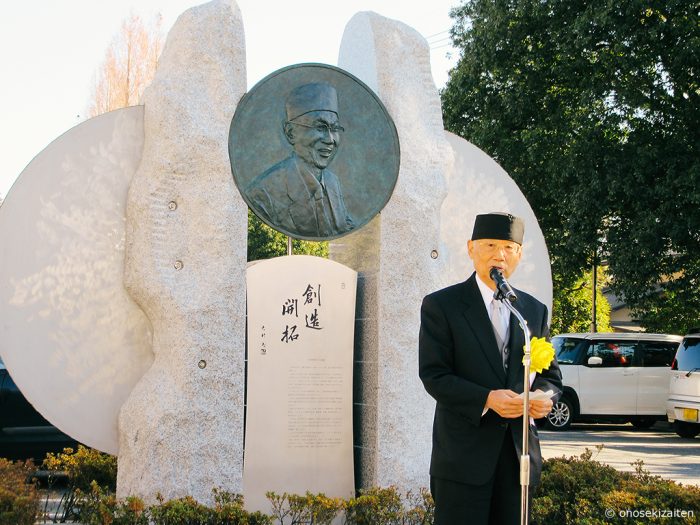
column 459, row 364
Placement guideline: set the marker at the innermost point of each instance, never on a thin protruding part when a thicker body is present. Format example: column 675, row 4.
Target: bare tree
column 128, row 67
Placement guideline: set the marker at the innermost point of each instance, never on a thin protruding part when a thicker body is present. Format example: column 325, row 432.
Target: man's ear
column 289, row 132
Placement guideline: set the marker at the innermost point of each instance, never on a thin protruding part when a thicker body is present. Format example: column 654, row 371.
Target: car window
column 656, row 353
column 567, row 349
column 688, row 355
column 615, row 354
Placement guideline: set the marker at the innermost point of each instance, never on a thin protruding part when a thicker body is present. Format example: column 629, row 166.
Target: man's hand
column 505, row 403
column 540, row 408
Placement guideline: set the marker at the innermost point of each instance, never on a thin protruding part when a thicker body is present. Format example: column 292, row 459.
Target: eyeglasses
column 491, row 247
column 321, row 127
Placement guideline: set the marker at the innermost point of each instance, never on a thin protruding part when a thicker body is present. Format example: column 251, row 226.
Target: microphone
column 503, row 288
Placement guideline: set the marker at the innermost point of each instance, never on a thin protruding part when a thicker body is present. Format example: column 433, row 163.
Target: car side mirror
column 595, row 361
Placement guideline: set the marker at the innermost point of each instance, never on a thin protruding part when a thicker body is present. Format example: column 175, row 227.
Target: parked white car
column 613, row 377
column 684, row 390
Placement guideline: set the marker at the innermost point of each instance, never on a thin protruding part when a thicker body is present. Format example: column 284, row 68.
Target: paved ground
column 663, row 452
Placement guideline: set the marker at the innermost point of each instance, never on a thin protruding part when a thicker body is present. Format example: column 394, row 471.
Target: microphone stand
column 525, row 456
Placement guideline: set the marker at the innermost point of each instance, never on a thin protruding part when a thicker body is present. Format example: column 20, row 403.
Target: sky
column 51, row 49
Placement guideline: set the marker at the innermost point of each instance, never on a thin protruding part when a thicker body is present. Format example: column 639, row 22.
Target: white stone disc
column 477, row 184
column 73, row 340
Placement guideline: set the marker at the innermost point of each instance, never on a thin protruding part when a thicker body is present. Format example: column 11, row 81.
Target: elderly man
column 299, row 194
column 470, row 361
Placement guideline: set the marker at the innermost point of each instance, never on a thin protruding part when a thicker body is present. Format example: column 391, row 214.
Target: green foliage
column 568, row 487
column 101, row 507
column 182, row 511
column 318, row 509
column 581, row 490
column 593, row 109
column 85, row 467
column 573, row 490
column 375, row 506
column 385, row 506
column 421, row 508
column 670, row 308
column 265, row 243
column 19, row 499
column 572, row 308
column 229, row 511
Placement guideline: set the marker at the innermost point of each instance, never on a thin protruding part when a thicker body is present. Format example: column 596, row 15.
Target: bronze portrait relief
column 313, row 152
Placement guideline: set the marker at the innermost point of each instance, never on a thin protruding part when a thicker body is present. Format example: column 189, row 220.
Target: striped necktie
column 499, row 320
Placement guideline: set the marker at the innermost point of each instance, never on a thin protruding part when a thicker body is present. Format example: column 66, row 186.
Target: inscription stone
column 301, row 313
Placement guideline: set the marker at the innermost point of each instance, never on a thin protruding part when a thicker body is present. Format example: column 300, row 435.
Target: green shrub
column 228, row 510
column 375, row 506
column 421, row 508
column 182, row 511
column 318, row 509
column 576, row 490
column 83, row 467
column 583, row 491
column 19, row 499
column 100, row 507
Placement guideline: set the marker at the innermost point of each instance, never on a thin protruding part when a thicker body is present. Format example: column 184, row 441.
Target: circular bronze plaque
column 313, row 151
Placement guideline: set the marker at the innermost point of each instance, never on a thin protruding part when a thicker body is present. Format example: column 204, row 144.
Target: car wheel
column 561, row 415
column 686, row 430
column 643, row 422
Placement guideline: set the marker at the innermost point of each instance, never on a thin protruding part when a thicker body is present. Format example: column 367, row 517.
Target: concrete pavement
column 662, row 451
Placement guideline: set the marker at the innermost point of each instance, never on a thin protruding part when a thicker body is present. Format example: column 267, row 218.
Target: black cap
column 503, row 226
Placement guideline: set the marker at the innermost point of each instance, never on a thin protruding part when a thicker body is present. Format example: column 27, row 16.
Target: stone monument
column 72, row 337
column 157, row 376
column 185, row 265
column 417, row 245
column 301, row 318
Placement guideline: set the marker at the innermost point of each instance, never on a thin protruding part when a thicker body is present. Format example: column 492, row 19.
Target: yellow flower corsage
column 541, row 354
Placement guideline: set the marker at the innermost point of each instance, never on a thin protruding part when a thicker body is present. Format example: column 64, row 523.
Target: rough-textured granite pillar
column 181, row 429
column 415, row 246
column 393, row 255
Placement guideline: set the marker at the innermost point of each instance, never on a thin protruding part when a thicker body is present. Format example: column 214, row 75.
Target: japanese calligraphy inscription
column 301, row 313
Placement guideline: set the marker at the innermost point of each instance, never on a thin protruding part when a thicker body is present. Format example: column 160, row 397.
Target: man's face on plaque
column 315, row 137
